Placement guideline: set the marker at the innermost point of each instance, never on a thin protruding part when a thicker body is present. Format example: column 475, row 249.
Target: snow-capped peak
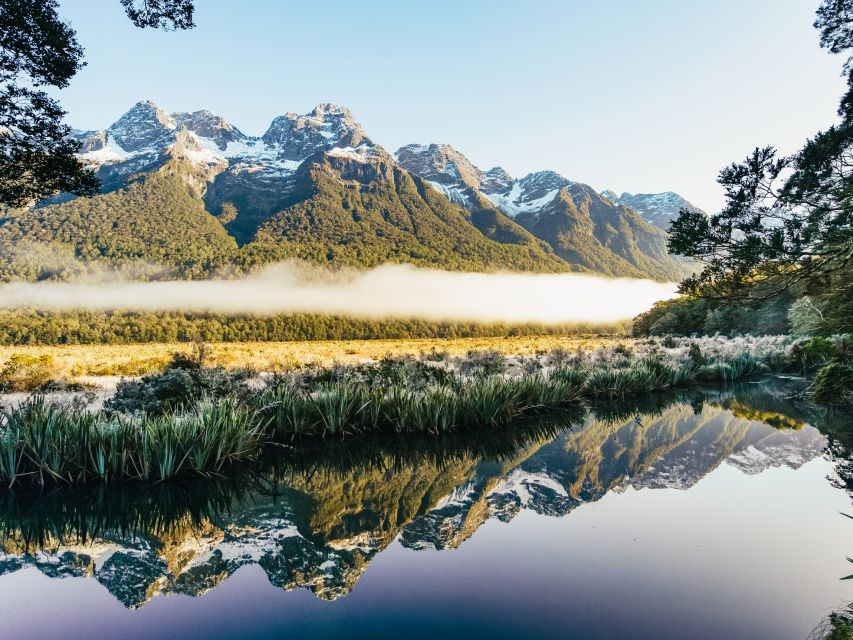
column 211, row 126
column 143, row 125
column 439, row 163
column 327, row 126
column 659, row 209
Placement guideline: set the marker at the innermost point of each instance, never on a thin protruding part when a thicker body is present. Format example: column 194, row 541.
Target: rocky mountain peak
column 496, row 179
column 439, row 163
column 211, row 126
column 327, row 126
column 331, row 109
column 659, row 209
column 541, row 181
column 144, row 125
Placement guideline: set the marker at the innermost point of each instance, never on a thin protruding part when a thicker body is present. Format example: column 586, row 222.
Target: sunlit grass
column 154, row 429
column 138, row 359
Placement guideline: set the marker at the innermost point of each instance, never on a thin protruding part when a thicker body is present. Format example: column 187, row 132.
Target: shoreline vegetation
column 194, row 419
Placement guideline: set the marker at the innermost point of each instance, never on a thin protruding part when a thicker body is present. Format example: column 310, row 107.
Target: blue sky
column 633, row 96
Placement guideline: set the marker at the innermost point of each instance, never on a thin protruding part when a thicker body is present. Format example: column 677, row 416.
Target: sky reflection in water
column 688, row 520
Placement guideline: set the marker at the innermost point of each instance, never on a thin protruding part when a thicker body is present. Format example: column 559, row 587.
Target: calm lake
column 716, row 514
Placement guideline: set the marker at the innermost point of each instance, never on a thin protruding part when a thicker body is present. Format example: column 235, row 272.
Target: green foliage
column 90, row 327
column 647, row 376
column 160, row 14
column 787, row 220
column 48, row 442
column 833, row 383
column 696, row 357
column 838, row 625
column 154, row 220
column 37, row 48
column 805, row 316
column 202, row 439
column 738, row 368
column 176, row 387
column 813, row 352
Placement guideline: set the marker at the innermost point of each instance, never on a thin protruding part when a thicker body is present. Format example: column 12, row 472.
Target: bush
column 833, row 383
column 482, row 362
column 26, row 373
column 176, row 387
column 813, row 352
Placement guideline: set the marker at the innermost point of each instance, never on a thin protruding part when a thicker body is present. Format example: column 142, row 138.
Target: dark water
column 706, row 516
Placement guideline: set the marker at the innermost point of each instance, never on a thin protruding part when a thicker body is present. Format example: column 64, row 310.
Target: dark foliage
column 38, row 49
column 688, row 316
column 160, row 14
column 36, row 157
column 833, row 384
column 178, row 386
column 787, row 221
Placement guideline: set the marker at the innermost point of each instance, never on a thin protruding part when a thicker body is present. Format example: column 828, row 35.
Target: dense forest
column 87, row 327
column 157, row 227
column 380, row 213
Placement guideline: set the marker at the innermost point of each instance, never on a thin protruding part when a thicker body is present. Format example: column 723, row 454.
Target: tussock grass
column 42, row 442
column 201, row 432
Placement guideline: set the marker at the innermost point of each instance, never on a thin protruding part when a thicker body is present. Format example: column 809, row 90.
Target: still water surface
column 698, row 517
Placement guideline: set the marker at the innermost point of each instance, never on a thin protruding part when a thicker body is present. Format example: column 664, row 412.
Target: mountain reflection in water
column 315, row 518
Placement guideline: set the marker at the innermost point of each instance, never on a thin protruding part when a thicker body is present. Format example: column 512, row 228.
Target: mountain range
column 192, row 193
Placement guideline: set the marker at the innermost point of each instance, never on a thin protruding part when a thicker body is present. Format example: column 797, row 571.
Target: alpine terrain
column 190, row 195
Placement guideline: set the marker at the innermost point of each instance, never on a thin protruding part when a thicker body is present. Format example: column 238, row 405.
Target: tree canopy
column 38, row 49
column 787, row 220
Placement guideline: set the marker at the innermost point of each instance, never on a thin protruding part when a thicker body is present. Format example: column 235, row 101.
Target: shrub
column 558, row 357
column 482, row 362
column 696, row 357
column 176, row 387
column 26, row 373
column 812, row 352
column 833, row 383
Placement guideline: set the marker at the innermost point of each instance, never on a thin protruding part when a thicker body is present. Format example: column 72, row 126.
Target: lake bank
column 195, row 420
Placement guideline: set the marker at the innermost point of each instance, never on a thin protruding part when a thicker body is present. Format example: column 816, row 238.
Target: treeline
column 85, row 327
column 822, row 309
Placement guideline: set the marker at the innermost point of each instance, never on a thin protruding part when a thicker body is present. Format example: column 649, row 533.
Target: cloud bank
column 390, row 291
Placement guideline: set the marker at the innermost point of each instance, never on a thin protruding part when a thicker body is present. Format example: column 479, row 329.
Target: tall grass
column 44, row 442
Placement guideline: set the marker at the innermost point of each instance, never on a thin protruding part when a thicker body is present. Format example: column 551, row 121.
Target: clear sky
column 633, row 96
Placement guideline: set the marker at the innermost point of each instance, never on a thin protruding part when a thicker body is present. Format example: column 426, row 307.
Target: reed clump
column 41, row 442
column 157, row 429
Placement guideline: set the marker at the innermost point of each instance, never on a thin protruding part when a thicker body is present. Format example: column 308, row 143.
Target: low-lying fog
column 390, row 291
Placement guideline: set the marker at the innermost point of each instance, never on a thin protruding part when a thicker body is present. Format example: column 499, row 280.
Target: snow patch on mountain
column 514, row 203
column 659, row 209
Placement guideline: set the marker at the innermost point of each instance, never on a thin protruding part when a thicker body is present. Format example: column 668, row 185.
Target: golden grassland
column 138, row 359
